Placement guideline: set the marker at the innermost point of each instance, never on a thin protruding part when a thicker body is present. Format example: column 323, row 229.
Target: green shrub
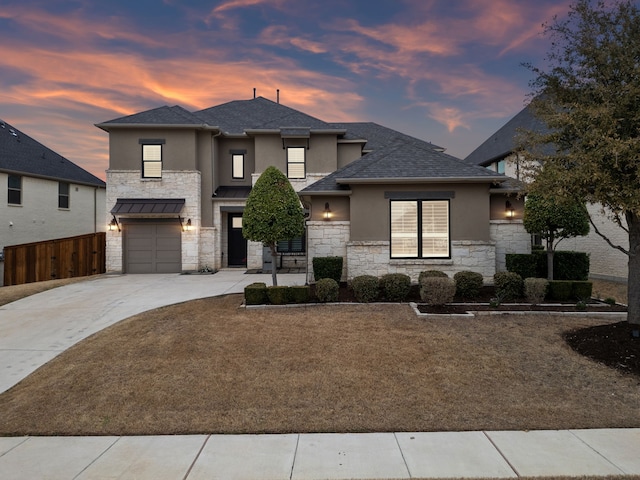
column 395, row 286
column 566, row 265
column 366, row 288
column 437, row 290
column 255, row 293
column 431, row 273
column 524, row 264
column 570, row 266
column 535, row 289
column 560, row 290
column 610, row 301
column 327, row 267
column 468, row 284
column 299, row 294
column 581, row 290
column 327, row 290
column 509, row 285
column 278, row 295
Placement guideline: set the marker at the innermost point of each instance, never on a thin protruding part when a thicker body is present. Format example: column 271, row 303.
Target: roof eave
column 203, row 126
column 325, row 193
column 54, row 179
column 487, row 179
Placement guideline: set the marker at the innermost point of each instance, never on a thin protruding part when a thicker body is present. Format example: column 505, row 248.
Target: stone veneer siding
column 509, row 237
column 173, row 184
column 327, row 239
column 373, row 258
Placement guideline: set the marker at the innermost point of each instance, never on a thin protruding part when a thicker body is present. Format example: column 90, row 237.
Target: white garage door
column 153, row 247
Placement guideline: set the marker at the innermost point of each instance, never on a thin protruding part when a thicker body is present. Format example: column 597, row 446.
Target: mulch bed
column 616, row 345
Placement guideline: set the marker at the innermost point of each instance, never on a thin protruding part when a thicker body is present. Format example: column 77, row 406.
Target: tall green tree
column 273, row 213
column 554, row 220
column 588, row 94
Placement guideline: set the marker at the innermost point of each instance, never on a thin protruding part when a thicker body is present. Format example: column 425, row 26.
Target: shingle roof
column 165, row 115
column 404, row 159
column 21, row 154
column 376, row 135
column 235, row 117
column 503, row 142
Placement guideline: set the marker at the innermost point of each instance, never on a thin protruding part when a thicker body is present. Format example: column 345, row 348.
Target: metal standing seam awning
column 147, row 206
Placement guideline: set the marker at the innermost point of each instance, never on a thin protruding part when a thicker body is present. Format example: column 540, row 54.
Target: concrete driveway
column 35, row 329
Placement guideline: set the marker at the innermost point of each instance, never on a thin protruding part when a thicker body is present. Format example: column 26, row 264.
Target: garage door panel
column 153, row 248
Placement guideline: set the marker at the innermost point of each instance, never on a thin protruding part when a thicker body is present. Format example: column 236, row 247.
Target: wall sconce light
column 186, row 227
column 113, row 225
column 327, row 211
column 509, row 211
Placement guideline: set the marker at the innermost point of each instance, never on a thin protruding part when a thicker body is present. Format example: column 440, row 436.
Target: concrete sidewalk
column 35, row 329
column 324, row 456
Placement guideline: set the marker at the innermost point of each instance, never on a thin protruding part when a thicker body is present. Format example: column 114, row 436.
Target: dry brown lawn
column 209, row 366
column 12, row 293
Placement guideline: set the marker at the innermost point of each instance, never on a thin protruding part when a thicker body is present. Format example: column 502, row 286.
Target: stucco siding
column 179, row 151
column 469, row 210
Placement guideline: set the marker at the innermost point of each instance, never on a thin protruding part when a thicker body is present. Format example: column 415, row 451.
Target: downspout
column 213, row 211
column 95, row 209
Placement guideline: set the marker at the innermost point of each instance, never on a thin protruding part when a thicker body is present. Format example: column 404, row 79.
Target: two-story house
column 46, row 195
column 498, row 153
column 386, row 202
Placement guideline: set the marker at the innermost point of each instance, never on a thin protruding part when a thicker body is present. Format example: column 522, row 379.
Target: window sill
column 425, row 261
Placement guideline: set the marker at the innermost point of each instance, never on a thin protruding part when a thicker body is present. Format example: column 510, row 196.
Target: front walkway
column 36, row 329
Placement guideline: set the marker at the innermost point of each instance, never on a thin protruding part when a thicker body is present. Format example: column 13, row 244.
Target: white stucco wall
column 173, row 184
column 38, row 218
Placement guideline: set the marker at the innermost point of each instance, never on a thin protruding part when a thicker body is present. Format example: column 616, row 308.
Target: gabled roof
column 239, row 116
column 404, row 160
column 21, row 154
column 502, row 143
column 161, row 116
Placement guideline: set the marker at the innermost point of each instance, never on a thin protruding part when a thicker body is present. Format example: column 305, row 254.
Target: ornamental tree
column 273, row 213
column 554, row 220
column 588, row 95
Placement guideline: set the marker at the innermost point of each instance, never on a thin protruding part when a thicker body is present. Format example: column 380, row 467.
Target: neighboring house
column 497, row 154
column 45, row 195
column 386, row 202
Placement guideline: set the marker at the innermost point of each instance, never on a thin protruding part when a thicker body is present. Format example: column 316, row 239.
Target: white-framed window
column 420, row 229
column 14, row 192
column 63, row 195
column 237, row 166
column 151, row 160
column 296, row 162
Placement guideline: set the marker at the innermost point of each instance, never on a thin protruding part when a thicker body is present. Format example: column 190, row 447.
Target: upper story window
column 63, row 195
column 420, row 229
column 237, row 166
column 14, row 193
column 500, row 166
column 296, row 162
column 151, row 158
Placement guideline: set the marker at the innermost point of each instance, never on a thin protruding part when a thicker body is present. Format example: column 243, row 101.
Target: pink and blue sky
column 445, row 71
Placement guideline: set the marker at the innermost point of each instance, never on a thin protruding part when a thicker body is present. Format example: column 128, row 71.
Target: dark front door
column 237, row 243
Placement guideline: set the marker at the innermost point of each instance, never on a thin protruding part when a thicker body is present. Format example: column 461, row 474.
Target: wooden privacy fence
column 52, row 259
